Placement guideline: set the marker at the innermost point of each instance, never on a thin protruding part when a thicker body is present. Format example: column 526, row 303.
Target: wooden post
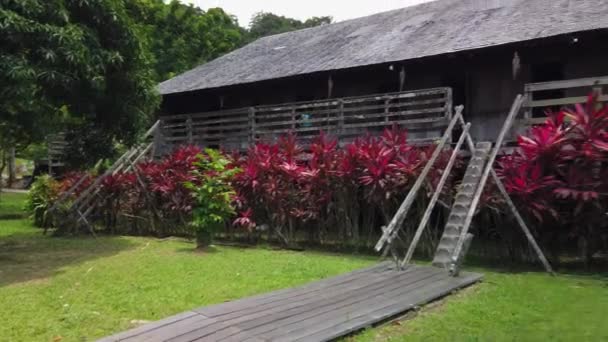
column 429, row 209
column 86, row 222
column 157, row 140
column 529, row 98
column 484, row 177
column 386, row 104
column 522, row 223
column 340, row 118
column 189, row 128
column 251, row 125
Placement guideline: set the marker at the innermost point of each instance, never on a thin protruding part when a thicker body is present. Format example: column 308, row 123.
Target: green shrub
column 213, row 195
column 42, row 195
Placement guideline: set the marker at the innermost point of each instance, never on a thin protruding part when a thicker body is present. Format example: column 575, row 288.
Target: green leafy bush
column 213, row 195
column 42, row 195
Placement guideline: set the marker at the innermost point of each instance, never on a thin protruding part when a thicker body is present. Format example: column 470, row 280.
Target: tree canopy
column 71, row 62
column 265, row 24
column 181, row 36
column 90, row 67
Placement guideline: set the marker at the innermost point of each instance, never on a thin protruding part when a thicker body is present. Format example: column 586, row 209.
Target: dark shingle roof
column 428, row 29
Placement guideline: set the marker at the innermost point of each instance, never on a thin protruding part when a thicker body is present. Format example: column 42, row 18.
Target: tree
column 265, row 24
column 77, row 62
column 181, row 36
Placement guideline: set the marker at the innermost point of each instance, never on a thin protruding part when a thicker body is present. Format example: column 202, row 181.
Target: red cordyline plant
column 156, row 186
column 72, row 178
column 275, row 183
column 285, row 185
column 561, row 171
column 166, row 179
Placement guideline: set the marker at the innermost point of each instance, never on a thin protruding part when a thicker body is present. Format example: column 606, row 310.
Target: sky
column 303, row 9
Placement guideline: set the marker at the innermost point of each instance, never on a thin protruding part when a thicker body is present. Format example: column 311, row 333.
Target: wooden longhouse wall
column 483, row 80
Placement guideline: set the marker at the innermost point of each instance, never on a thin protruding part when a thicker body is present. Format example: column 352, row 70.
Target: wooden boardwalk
column 318, row 311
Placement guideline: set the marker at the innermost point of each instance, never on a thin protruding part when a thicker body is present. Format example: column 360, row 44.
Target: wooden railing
column 426, row 113
column 572, row 91
column 56, row 149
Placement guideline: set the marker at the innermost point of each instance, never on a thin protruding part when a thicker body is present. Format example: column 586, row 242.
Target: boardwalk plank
column 315, row 309
column 233, row 306
column 289, row 306
column 318, row 311
column 416, row 298
column 168, row 331
column 314, row 323
column 147, row 327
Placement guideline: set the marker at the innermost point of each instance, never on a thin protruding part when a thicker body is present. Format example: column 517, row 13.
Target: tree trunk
column 12, row 169
column 2, row 166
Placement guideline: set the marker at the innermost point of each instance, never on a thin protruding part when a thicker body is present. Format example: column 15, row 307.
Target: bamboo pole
column 429, row 209
column 397, row 221
column 513, row 209
column 522, row 223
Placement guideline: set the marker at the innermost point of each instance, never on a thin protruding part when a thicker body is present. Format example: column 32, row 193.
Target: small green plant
column 42, row 195
column 213, row 195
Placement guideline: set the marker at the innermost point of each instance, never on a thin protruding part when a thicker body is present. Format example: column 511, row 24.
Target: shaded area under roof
column 428, row 29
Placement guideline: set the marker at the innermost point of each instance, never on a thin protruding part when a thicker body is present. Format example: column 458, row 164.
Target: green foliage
column 35, row 151
column 89, row 145
column 181, row 36
column 265, row 24
column 90, row 67
column 213, row 194
column 72, row 61
column 42, row 195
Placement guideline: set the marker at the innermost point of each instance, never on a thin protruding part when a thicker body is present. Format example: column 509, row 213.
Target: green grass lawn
column 511, row 307
column 11, row 205
column 83, row 288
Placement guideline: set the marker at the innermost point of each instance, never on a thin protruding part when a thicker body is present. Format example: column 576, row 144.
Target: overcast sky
column 303, row 9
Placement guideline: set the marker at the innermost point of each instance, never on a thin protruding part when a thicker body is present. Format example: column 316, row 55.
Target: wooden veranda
column 426, row 113
column 319, row 311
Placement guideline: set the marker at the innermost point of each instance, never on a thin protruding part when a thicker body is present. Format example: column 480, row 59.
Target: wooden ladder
column 462, row 204
column 456, row 238
column 81, row 207
column 391, row 233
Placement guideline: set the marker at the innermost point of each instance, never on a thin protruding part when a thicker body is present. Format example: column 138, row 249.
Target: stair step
column 448, row 244
column 468, row 179
column 451, row 229
column 483, row 145
column 463, row 197
column 462, row 203
column 457, row 220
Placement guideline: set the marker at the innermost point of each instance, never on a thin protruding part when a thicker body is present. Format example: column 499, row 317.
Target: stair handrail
column 515, row 109
column 117, row 164
column 155, row 127
column 429, row 209
column 393, row 227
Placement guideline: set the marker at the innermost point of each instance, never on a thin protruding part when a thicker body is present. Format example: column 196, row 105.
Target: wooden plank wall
column 425, row 113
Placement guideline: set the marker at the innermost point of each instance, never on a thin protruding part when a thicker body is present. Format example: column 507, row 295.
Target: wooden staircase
column 456, row 239
column 80, row 207
column 461, row 206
